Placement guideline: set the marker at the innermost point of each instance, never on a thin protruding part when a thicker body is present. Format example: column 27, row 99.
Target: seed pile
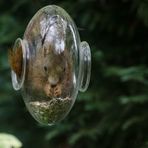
column 50, row 111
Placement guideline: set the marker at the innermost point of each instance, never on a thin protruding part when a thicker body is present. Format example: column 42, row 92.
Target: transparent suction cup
column 17, row 81
column 85, row 66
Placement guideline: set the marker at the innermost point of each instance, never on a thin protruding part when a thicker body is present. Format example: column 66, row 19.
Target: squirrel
column 48, row 72
column 51, row 73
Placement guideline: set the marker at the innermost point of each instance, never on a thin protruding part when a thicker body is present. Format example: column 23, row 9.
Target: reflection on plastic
column 53, row 65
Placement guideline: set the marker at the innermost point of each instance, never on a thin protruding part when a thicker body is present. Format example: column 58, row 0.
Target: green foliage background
column 113, row 113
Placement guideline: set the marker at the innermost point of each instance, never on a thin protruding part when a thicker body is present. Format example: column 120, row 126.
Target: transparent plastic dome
column 55, row 65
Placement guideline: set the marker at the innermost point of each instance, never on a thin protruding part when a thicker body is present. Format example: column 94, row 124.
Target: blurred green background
column 113, row 112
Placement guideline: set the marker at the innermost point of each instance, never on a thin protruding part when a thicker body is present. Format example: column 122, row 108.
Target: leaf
column 8, row 141
column 52, row 134
column 133, row 99
column 127, row 74
column 90, row 133
column 131, row 121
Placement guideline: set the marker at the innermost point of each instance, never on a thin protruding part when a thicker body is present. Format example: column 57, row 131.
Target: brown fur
column 15, row 60
column 39, row 77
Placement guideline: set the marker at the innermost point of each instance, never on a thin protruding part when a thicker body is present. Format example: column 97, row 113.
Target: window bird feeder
column 50, row 65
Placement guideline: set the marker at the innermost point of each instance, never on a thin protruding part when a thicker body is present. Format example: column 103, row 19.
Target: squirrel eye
column 64, row 69
column 45, row 68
